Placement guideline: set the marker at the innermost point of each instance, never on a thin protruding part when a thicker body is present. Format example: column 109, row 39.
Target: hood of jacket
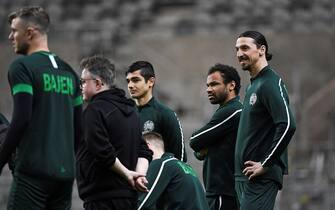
column 117, row 97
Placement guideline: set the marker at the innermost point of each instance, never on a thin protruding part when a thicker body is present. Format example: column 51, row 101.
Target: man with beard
column 154, row 115
column 265, row 130
column 215, row 142
column 46, row 117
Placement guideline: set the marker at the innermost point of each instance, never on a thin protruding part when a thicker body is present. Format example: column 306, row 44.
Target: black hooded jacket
column 111, row 128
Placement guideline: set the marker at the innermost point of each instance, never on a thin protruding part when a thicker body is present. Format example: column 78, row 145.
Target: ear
column 30, row 31
column 232, row 86
column 152, row 81
column 98, row 84
column 262, row 50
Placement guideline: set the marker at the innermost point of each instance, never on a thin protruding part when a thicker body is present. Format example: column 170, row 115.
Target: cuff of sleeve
column 147, row 155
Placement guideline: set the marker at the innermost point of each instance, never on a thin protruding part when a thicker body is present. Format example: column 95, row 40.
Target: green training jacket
column 266, row 127
column 157, row 117
column 219, row 137
column 173, row 185
column 47, row 146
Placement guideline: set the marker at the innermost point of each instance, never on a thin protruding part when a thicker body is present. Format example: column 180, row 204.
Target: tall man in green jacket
column 215, row 142
column 265, row 130
column 172, row 184
column 46, row 117
column 154, row 115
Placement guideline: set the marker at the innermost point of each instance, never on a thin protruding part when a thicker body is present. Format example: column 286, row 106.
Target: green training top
column 47, row 146
column 157, row 117
column 266, row 127
column 219, row 137
column 173, row 185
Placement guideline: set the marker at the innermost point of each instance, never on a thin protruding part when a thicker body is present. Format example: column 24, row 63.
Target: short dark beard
column 22, row 49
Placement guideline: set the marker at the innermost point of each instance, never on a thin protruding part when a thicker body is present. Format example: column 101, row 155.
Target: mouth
column 210, row 97
column 132, row 92
column 243, row 59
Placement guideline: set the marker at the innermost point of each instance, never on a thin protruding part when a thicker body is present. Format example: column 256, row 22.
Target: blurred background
column 183, row 39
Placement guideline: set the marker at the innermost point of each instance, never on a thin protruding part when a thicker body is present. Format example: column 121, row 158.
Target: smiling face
column 19, row 36
column 217, row 90
column 247, row 52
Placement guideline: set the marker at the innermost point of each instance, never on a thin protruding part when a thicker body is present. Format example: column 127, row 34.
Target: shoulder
column 231, row 108
column 19, row 62
column 164, row 110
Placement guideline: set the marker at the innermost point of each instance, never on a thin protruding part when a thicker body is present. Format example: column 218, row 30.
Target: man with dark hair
column 265, row 130
column 112, row 148
column 173, row 184
column 154, row 115
column 46, row 117
column 215, row 142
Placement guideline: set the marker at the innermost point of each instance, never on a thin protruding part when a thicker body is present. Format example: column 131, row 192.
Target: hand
column 253, row 169
column 140, row 184
column 132, row 176
column 201, row 154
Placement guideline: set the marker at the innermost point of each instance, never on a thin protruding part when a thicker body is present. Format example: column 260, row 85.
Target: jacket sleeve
column 96, row 137
column 159, row 176
column 20, row 81
column 22, row 112
column 173, row 135
column 223, row 121
column 275, row 99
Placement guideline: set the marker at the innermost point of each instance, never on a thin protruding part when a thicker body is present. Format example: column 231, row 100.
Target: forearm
column 120, row 169
column 142, row 165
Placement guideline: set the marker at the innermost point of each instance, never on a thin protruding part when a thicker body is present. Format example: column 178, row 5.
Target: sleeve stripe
column 22, row 88
column 78, row 101
column 182, row 140
column 155, row 182
column 288, row 124
column 217, row 125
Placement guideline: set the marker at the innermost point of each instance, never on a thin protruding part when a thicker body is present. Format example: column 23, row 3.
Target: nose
column 239, row 53
column 130, row 85
column 209, row 89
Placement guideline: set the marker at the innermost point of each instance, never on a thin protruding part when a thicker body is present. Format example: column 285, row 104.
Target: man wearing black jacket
column 112, row 154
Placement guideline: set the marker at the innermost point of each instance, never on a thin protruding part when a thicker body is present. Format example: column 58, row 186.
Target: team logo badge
column 148, row 126
column 253, row 99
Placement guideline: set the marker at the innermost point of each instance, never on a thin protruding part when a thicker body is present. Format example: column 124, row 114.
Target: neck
column 39, row 44
column 231, row 96
column 143, row 100
column 254, row 71
column 157, row 154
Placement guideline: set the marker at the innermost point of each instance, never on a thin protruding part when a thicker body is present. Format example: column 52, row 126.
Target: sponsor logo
column 253, row 99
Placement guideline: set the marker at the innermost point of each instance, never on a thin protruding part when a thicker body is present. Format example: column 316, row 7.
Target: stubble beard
column 22, row 49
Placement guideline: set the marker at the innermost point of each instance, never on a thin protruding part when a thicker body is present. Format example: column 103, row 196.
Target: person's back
column 50, row 131
column 45, row 124
column 112, row 155
column 172, row 184
column 121, row 124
